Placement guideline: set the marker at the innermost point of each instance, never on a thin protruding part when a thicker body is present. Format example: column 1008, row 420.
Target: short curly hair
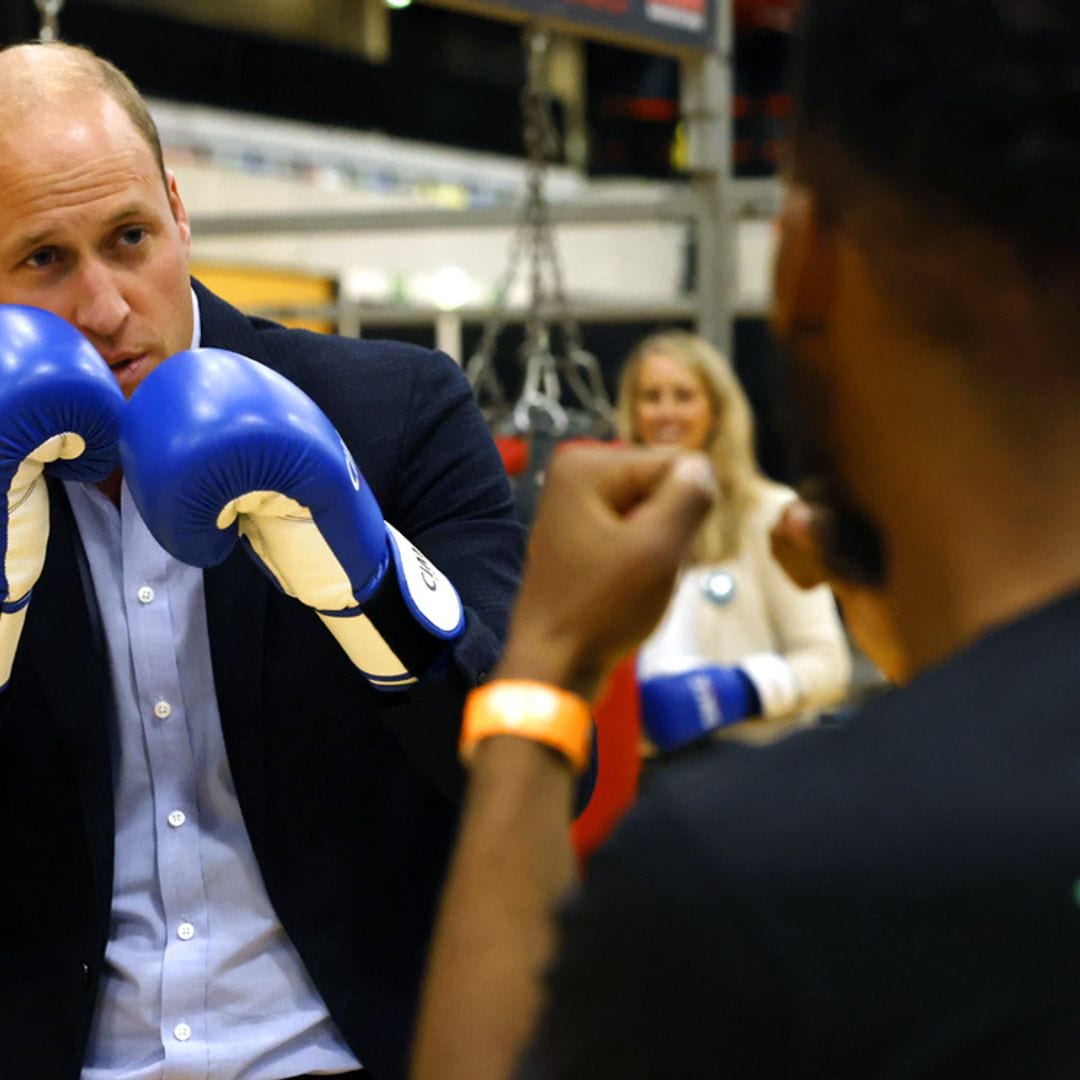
column 972, row 102
column 965, row 116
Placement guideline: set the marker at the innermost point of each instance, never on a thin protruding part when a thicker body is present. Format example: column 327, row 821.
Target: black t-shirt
column 897, row 897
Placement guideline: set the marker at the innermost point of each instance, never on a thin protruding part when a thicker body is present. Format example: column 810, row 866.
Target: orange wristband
column 531, row 710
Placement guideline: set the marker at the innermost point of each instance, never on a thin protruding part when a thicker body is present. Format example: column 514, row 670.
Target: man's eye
column 133, row 236
column 41, row 259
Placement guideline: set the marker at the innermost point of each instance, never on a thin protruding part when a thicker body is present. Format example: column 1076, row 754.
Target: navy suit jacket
column 349, row 795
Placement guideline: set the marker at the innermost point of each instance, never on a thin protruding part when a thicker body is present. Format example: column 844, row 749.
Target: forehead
column 71, row 156
column 661, row 367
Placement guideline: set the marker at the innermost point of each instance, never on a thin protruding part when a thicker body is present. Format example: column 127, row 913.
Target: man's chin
column 852, row 543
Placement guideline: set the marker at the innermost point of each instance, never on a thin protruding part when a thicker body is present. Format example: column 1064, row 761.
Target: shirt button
column 177, row 818
column 146, row 595
column 185, row 931
column 182, row 1032
column 163, row 710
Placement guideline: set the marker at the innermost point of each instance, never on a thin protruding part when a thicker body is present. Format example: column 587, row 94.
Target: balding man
column 900, row 896
column 220, row 844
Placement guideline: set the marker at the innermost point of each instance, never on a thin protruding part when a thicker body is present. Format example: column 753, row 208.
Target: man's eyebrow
column 126, row 213
column 30, row 241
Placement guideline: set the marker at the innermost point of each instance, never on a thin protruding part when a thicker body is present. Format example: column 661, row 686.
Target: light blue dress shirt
column 200, row 979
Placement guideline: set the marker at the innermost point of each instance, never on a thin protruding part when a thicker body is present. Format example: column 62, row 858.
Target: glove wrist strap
column 12, row 617
column 404, row 628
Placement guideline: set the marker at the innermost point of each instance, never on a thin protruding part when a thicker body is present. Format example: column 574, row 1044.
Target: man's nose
column 100, row 306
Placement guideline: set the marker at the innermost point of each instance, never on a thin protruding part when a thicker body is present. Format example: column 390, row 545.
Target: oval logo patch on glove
column 431, row 597
column 350, row 465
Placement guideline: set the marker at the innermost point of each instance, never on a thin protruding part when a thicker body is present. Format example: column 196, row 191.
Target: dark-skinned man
column 896, row 897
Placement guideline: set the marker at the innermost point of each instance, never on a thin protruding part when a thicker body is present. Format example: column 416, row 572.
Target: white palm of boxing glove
column 217, row 447
column 59, row 414
column 283, row 535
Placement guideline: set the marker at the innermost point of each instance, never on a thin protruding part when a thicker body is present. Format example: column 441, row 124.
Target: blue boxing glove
column 677, row 710
column 60, row 410
column 217, row 447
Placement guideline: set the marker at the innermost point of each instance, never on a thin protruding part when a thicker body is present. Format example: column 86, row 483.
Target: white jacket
column 747, row 611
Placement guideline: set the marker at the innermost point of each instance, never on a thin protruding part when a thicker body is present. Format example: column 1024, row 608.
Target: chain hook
column 49, row 10
column 533, row 251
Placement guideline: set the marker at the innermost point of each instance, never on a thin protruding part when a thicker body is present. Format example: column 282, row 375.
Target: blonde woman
column 769, row 650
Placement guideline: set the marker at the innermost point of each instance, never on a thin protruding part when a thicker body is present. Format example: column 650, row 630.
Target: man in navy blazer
column 221, row 845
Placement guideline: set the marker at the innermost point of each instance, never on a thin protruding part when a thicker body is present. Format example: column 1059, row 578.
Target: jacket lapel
column 224, row 327
column 62, row 620
column 236, row 597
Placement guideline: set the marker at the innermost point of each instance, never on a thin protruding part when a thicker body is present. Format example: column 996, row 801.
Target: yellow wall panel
column 263, row 291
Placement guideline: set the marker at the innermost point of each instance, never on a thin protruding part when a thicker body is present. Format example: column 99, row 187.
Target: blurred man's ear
column 179, row 211
column 804, row 274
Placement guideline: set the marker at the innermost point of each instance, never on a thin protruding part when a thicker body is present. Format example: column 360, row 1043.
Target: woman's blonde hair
column 730, row 444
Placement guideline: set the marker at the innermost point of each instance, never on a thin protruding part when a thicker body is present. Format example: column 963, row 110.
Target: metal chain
column 541, row 392
column 49, row 10
column 534, row 243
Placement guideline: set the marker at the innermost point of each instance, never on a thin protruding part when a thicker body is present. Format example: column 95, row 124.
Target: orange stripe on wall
column 258, row 288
